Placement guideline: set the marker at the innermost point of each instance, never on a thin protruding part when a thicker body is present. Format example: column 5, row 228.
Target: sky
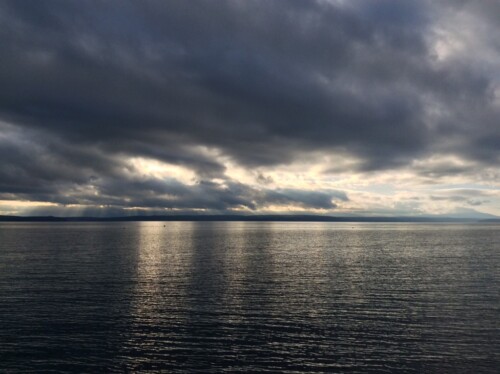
column 337, row 107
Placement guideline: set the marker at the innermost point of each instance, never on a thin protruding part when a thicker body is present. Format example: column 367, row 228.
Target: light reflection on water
column 186, row 296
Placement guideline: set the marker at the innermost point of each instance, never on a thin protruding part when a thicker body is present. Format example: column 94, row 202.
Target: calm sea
column 277, row 297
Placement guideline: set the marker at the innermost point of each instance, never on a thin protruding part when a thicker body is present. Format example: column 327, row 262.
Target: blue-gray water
column 277, row 297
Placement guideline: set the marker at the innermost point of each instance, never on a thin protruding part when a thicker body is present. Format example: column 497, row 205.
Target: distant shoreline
column 243, row 218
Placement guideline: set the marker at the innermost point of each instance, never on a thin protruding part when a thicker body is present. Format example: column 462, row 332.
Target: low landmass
column 254, row 218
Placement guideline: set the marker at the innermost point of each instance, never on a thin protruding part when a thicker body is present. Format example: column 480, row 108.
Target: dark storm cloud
column 33, row 163
column 41, row 169
column 87, row 84
column 306, row 199
column 169, row 194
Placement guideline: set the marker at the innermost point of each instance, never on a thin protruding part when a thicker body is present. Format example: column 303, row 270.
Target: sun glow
column 147, row 167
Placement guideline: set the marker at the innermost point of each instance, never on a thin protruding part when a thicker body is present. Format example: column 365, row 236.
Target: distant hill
column 254, row 218
column 470, row 213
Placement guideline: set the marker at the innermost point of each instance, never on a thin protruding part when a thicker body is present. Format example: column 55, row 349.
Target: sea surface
column 249, row 297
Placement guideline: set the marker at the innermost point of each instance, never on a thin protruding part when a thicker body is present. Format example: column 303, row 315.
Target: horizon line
column 243, row 218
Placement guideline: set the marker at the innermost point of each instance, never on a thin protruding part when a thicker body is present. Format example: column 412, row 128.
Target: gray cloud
column 86, row 84
column 471, row 197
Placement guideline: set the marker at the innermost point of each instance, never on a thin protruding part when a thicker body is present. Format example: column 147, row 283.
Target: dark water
column 277, row 297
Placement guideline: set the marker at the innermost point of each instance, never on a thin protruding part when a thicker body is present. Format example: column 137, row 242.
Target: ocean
column 249, row 297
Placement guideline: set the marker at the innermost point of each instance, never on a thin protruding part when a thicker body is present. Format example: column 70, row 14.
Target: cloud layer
column 223, row 101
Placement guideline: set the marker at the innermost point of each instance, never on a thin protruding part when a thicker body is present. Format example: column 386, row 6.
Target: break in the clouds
column 345, row 107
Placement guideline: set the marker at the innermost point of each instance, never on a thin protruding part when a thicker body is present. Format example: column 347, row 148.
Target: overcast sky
column 340, row 107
